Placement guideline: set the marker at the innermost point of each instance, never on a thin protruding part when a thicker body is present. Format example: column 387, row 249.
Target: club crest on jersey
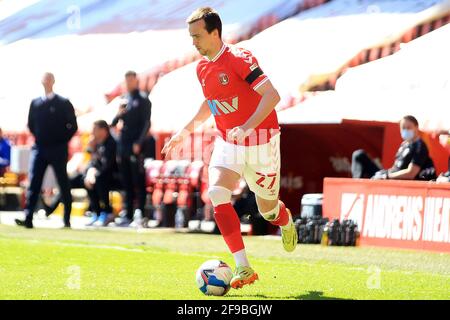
column 223, row 79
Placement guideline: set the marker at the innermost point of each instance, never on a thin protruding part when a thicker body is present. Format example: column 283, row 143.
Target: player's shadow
column 311, row 295
column 317, row 295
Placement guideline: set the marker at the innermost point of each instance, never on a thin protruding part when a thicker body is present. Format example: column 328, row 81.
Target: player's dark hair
column 130, row 74
column 411, row 119
column 102, row 124
column 211, row 18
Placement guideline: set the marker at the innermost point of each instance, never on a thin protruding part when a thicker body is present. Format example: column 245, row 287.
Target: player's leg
column 262, row 173
column 221, row 183
column 276, row 213
column 37, row 171
column 225, row 170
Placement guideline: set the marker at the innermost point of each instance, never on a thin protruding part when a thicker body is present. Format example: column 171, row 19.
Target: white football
column 213, row 277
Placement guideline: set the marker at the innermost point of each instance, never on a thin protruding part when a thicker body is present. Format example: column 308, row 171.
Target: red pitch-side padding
column 390, row 213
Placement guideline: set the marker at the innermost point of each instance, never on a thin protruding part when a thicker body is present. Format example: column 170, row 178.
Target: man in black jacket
column 135, row 119
column 412, row 161
column 102, row 174
column 52, row 121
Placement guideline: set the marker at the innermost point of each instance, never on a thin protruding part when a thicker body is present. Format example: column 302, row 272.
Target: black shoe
column 67, row 225
column 24, row 223
column 47, row 209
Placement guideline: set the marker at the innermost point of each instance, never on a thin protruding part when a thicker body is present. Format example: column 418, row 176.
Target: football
column 213, row 278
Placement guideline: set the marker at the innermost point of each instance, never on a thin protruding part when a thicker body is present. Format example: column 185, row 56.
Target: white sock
column 240, row 257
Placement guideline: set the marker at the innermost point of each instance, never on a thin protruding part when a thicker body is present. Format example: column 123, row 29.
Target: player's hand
column 443, row 179
column 136, row 148
column 381, row 175
column 237, row 134
column 90, row 179
column 122, row 107
column 173, row 143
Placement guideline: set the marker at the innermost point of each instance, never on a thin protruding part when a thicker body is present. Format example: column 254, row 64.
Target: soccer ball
column 213, row 278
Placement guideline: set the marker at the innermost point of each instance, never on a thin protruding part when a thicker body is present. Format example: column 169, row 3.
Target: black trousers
column 132, row 175
column 77, row 182
column 363, row 167
column 99, row 194
column 41, row 158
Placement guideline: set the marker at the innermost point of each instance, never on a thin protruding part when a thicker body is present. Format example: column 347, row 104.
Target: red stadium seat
column 374, row 54
column 386, row 51
column 184, row 187
column 153, row 172
column 395, row 46
column 173, row 169
column 159, row 186
column 426, row 27
column 410, row 35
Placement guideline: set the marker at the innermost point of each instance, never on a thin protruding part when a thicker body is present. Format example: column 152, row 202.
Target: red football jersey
column 229, row 83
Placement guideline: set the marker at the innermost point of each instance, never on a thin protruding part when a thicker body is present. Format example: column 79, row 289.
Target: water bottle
column 179, row 219
column 138, row 217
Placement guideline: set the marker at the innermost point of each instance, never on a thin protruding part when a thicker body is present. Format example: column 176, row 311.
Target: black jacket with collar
column 136, row 121
column 52, row 122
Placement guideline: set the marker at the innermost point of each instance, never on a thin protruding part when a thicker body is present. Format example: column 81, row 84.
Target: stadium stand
column 49, row 18
column 329, row 30
column 402, row 80
column 398, row 80
column 93, row 50
column 314, row 45
column 374, row 95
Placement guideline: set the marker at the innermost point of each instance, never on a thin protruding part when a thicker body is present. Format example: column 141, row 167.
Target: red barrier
column 402, row 214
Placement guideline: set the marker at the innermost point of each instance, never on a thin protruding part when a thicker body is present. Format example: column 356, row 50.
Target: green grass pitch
column 161, row 264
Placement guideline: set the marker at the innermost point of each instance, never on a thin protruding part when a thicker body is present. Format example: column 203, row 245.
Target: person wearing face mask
column 444, row 177
column 412, row 161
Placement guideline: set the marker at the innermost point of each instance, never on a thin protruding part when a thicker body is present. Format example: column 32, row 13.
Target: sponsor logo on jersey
column 223, row 107
column 253, row 67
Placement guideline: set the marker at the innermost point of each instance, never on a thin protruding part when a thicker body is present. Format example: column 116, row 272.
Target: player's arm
column 202, row 115
column 409, row 173
column 247, row 68
column 269, row 100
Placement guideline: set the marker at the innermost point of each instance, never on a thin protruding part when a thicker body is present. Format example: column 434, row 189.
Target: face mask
column 407, row 134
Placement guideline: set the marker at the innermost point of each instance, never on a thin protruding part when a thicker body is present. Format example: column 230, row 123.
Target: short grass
column 71, row 264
